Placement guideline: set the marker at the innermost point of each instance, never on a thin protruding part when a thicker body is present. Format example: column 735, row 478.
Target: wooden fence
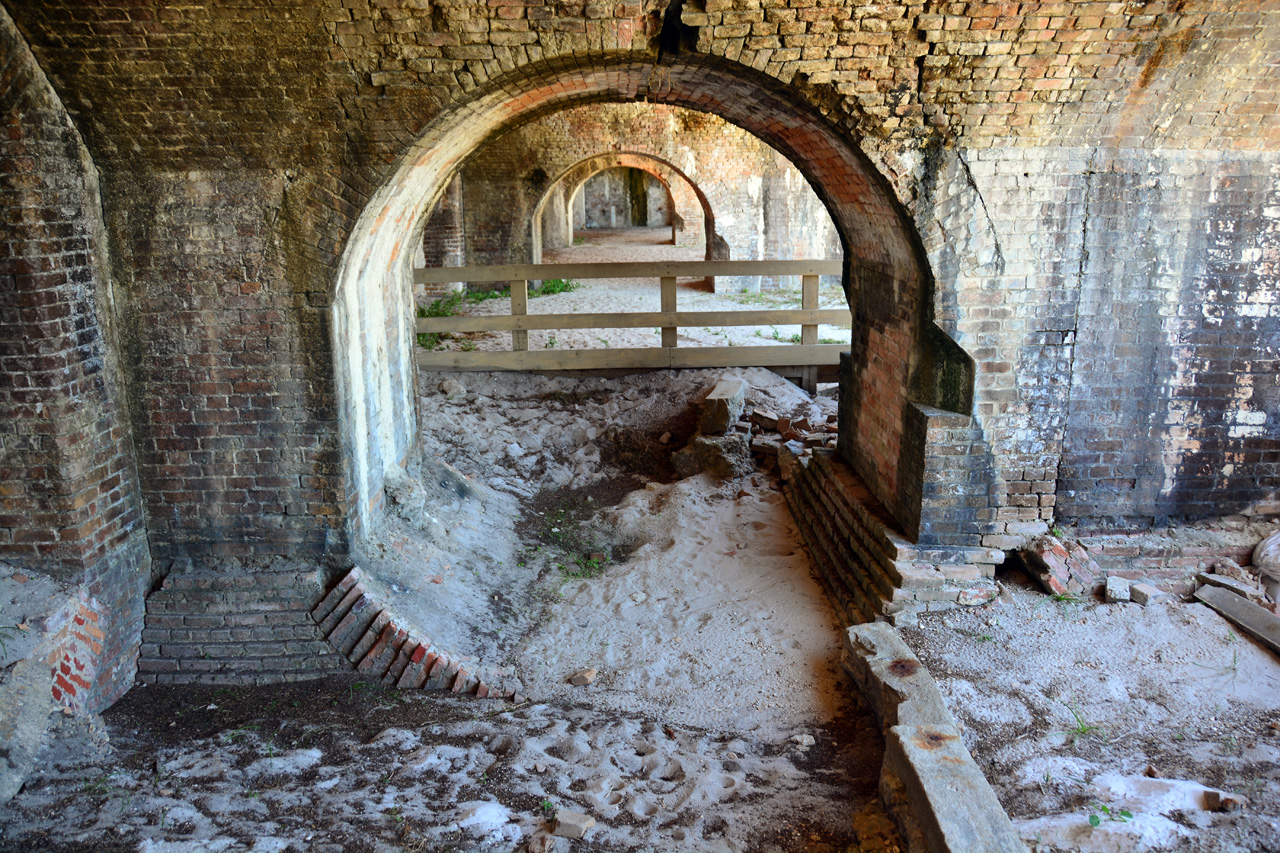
column 804, row 360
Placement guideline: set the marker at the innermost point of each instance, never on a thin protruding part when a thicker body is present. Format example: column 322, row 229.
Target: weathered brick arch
column 688, row 200
column 897, row 354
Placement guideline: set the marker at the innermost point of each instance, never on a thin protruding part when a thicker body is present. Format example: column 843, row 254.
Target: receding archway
column 687, row 198
column 893, row 354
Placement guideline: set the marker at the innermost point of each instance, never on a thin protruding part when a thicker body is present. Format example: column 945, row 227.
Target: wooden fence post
column 809, row 332
column 519, row 306
column 668, row 288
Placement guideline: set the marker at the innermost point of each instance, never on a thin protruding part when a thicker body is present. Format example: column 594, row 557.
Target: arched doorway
column 896, row 354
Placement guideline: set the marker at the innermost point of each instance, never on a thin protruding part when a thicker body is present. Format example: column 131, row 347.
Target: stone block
column 948, row 799
column 723, row 406
column 572, row 824
column 719, row 455
column 1117, row 590
column 1143, row 593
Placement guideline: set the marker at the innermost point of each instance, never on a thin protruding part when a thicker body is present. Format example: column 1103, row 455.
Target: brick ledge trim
column 382, row 646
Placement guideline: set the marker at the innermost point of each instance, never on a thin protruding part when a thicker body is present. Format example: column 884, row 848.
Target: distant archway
column 687, row 198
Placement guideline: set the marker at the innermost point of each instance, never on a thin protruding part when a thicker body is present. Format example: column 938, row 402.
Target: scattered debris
column 572, row 824
column 765, row 419
column 583, row 677
column 1061, row 566
column 1256, row 621
column 1241, row 589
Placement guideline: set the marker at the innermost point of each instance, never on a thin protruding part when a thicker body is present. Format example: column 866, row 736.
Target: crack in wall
column 1074, row 331
column 991, row 225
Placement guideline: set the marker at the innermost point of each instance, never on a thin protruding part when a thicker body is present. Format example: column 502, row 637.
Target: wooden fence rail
column 806, row 358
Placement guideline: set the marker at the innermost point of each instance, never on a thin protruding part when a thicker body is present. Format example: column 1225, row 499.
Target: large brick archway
column 688, row 200
column 885, row 279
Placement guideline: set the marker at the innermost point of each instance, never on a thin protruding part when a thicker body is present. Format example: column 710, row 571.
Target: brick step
column 267, row 601
column 382, row 646
column 866, row 565
column 224, row 581
column 221, row 628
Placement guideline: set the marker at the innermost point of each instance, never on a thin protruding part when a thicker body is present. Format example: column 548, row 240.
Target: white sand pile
column 714, row 622
column 1077, row 709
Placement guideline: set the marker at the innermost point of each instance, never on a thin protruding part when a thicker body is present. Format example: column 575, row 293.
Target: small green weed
column 1098, row 812
column 235, row 734
column 554, row 285
column 1080, row 727
column 99, row 786
column 7, row 633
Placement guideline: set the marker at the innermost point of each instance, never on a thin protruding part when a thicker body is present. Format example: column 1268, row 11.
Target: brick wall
column 758, row 203
column 1119, row 305
column 690, row 207
column 443, row 241
column 69, row 499
column 1068, row 204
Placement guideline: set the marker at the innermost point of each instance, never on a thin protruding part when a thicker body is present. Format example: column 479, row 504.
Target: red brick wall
column 265, row 168
column 69, row 499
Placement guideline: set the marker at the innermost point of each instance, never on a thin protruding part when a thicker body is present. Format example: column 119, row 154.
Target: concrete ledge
column 929, row 783
column 947, row 799
column 895, row 683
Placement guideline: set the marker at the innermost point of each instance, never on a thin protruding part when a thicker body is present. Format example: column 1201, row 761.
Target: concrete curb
column 929, row 782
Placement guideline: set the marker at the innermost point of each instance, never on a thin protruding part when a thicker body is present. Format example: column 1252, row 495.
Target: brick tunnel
column 1057, row 224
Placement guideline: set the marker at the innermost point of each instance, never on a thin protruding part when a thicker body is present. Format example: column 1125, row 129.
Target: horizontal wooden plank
column 1255, row 621
column 635, row 320
column 657, row 269
column 637, row 357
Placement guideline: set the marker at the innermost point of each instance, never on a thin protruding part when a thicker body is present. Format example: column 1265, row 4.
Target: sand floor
column 716, row 659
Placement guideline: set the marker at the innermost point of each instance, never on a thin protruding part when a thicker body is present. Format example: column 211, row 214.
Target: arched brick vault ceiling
column 884, row 276
column 664, row 170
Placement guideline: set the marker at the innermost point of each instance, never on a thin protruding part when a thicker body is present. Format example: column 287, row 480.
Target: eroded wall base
column 865, row 562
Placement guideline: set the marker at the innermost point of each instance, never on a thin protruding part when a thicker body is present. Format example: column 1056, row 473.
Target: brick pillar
column 69, row 498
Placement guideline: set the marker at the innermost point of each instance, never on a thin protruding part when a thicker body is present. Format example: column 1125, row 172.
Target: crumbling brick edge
column 383, row 647
column 929, row 783
column 866, row 564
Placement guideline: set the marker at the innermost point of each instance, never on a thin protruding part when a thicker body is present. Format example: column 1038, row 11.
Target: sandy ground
column 631, row 294
column 1075, row 709
column 718, row 719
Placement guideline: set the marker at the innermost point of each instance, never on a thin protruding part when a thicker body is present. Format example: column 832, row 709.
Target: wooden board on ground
column 1254, row 620
column 636, row 357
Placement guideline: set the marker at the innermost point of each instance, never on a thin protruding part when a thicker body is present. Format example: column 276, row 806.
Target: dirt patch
column 343, row 765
